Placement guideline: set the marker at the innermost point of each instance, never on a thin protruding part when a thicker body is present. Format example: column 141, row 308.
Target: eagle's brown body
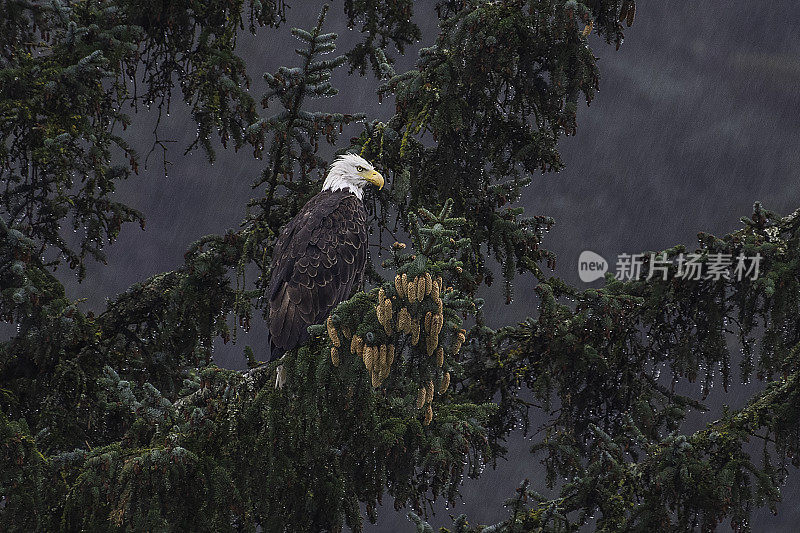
column 318, row 259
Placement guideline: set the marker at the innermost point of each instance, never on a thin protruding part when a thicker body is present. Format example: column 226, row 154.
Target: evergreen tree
column 121, row 421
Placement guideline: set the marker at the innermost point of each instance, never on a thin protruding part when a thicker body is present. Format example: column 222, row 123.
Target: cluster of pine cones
column 378, row 359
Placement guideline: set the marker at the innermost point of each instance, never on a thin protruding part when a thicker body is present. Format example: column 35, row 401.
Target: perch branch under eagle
column 319, row 256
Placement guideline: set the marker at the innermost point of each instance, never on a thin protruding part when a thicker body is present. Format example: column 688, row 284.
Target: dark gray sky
column 696, row 118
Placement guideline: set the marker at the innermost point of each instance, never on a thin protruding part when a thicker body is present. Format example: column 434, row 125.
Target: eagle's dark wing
column 318, row 258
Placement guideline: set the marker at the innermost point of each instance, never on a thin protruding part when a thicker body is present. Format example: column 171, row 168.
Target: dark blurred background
column 696, row 118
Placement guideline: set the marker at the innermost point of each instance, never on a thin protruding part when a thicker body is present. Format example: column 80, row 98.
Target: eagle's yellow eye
column 360, row 168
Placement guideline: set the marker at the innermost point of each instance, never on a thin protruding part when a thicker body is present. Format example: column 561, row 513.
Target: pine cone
column 334, row 356
column 414, row 332
column 436, row 324
column 445, row 383
column 387, row 316
column 439, row 356
column 398, row 286
column 428, row 283
column 356, row 345
column 420, row 288
column 431, row 342
column 460, row 338
column 369, row 357
column 428, row 415
column 390, row 356
column 404, row 320
column 421, row 394
column 436, row 291
column 428, row 321
column 429, row 392
column 332, row 332
column 379, row 313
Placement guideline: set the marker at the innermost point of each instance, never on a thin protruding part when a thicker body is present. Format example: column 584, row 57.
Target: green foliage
column 27, row 487
column 614, row 436
column 135, row 490
column 496, row 92
column 382, row 21
column 293, row 134
column 121, row 421
column 67, row 71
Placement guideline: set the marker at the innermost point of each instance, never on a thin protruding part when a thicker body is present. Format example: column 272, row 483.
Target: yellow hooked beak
column 374, row 177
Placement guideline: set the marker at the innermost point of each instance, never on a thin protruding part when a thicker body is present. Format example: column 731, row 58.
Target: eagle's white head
column 351, row 172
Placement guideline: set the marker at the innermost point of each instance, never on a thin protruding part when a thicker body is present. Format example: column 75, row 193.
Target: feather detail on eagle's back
column 318, row 259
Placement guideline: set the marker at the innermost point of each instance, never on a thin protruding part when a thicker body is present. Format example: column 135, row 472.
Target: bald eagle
column 320, row 255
